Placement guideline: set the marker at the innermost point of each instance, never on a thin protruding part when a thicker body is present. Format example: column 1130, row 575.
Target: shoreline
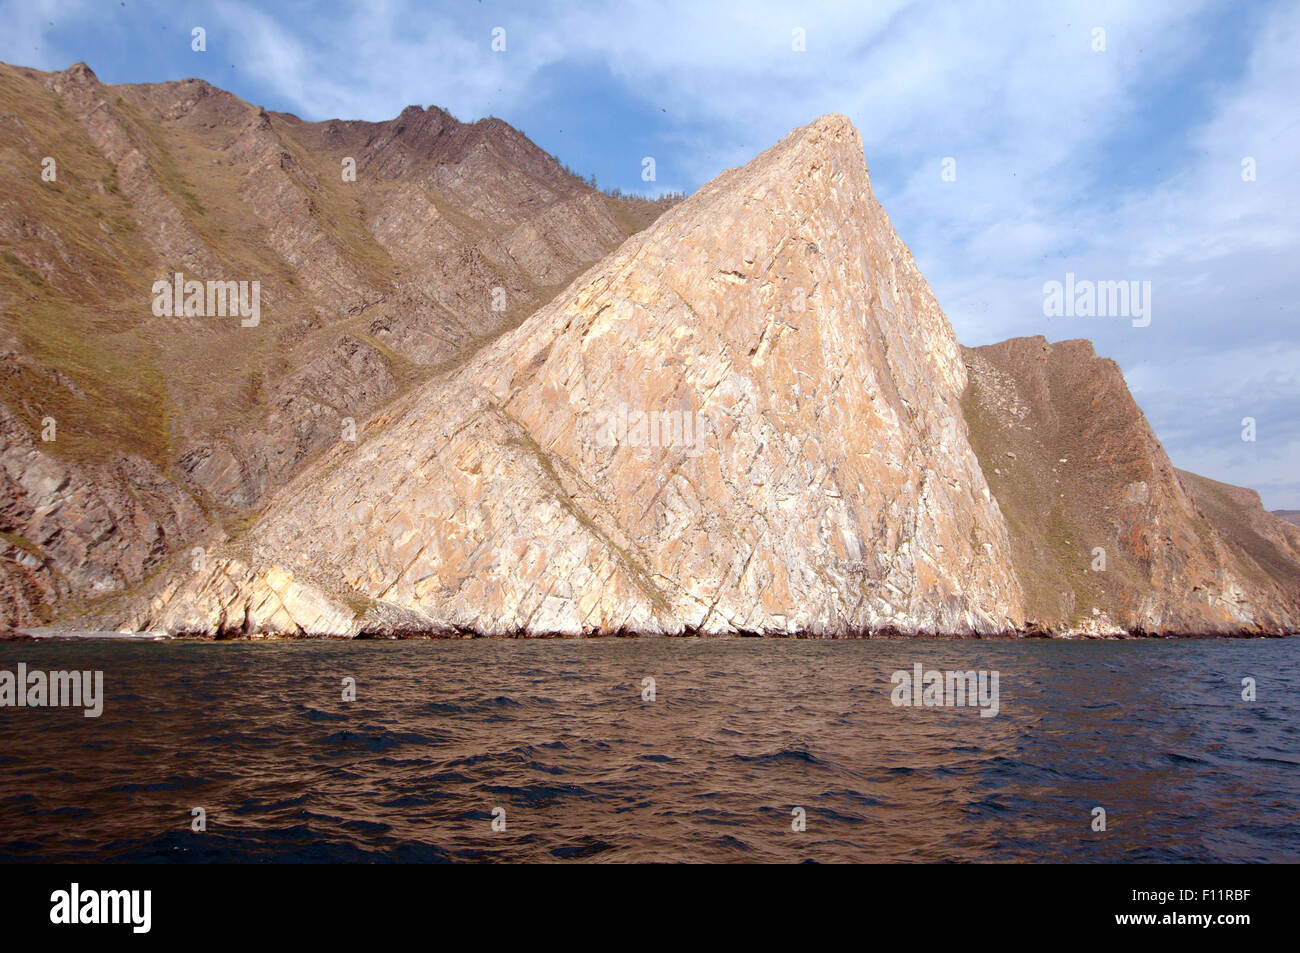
column 54, row 635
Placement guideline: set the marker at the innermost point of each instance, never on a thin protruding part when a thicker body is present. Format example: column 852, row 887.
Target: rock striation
column 745, row 420
column 384, row 251
column 63, row 541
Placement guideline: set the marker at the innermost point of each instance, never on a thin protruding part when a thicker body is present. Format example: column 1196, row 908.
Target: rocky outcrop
column 135, row 173
column 74, row 531
column 1266, row 547
column 1107, row 536
column 747, row 420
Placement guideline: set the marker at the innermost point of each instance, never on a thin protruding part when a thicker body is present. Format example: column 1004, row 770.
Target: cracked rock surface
column 808, row 470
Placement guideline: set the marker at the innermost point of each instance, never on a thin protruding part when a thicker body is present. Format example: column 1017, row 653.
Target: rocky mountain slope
column 474, row 405
column 808, row 470
column 169, row 429
column 1107, row 536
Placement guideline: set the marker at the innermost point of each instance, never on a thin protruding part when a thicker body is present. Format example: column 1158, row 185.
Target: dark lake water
column 739, row 734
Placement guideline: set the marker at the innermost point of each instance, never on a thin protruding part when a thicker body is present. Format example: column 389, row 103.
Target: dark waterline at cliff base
column 740, row 733
column 51, row 634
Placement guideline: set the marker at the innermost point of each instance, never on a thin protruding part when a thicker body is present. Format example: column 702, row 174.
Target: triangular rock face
column 1108, row 536
column 746, row 419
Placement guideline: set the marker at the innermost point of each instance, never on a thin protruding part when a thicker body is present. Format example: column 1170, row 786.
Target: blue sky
column 1122, row 163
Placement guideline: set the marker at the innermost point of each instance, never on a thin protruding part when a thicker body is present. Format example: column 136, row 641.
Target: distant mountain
column 167, row 429
column 1291, row 516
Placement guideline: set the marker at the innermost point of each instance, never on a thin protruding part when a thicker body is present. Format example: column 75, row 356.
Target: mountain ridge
column 749, row 417
column 154, row 179
column 1109, row 534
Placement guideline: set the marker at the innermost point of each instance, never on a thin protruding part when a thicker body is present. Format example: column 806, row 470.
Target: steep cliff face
column 1107, row 536
column 747, row 419
column 448, row 234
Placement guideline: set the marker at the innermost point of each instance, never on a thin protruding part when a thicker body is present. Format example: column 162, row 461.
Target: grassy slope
column 1054, row 512
column 78, row 321
column 91, row 324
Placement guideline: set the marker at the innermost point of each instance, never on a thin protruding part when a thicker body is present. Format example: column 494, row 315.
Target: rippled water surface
column 740, row 733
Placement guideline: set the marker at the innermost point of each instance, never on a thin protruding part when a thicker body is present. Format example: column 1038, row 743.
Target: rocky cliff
column 383, row 251
column 473, row 404
column 747, row 419
column 1107, row 536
